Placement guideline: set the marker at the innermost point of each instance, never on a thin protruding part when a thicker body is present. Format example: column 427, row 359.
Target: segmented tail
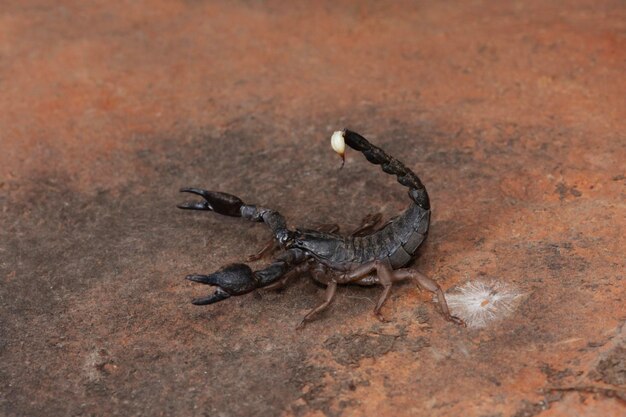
column 390, row 165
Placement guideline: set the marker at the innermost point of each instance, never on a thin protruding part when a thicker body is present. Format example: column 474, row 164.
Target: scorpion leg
column 270, row 247
column 387, row 276
column 429, row 284
column 328, row 228
column 320, row 273
column 331, row 288
column 368, row 224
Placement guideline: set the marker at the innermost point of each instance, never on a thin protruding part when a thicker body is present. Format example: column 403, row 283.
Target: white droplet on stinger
column 481, row 303
column 337, row 142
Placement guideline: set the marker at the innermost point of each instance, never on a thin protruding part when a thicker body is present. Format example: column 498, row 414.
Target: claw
column 218, row 295
column 194, row 205
column 235, row 279
column 222, row 203
column 203, row 279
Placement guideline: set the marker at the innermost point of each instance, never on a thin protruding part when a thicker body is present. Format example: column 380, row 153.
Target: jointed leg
column 269, row 248
column 327, row 228
column 330, row 293
column 428, row 284
column 387, row 276
column 368, row 225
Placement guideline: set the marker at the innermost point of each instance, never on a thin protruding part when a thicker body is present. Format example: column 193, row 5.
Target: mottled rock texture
column 512, row 113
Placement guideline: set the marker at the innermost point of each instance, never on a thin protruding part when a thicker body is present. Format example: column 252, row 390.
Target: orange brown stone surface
column 512, row 113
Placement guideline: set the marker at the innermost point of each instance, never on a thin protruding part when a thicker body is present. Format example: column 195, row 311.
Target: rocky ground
column 513, row 115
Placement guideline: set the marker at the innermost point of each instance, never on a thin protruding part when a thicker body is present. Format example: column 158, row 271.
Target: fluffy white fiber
column 481, row 303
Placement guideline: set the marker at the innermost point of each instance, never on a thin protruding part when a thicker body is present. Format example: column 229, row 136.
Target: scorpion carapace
column 371, row 254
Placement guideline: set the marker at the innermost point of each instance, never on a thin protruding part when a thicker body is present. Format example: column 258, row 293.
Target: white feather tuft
column 481, row 303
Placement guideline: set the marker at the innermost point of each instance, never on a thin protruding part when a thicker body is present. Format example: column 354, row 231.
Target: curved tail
column 388, row 163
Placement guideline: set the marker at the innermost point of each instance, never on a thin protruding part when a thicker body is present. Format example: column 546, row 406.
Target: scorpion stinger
column 369, row 255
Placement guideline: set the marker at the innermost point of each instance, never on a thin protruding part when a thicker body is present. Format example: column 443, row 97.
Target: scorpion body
column 329, row 257
column 397, row 242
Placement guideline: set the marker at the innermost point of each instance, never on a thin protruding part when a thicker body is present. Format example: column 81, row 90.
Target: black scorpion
column 329, row 257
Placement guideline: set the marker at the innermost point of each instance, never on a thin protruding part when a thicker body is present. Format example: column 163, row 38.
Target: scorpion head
column 321, row 244
column 286, row 238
